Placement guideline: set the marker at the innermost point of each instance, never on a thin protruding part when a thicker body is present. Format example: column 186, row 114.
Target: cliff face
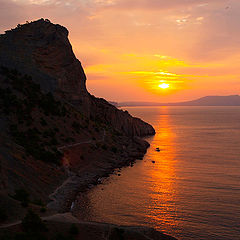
column 121, row 120
column 42, row 50
column 43, row 141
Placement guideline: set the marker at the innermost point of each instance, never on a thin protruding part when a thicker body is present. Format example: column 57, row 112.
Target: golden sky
column 146, row 50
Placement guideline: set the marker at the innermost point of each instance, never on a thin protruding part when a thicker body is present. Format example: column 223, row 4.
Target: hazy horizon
column 142, row 101
column 130, row 48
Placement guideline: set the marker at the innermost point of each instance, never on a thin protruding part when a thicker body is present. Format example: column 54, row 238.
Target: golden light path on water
column 144, row 194
column 187, row 187
column 163, row 188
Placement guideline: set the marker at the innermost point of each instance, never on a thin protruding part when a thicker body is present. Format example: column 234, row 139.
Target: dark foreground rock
column 68, row 227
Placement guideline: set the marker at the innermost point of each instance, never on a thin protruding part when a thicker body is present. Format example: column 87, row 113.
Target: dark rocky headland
column 56, row 139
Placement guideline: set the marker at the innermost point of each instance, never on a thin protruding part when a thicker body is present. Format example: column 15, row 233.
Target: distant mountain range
column 232, row 100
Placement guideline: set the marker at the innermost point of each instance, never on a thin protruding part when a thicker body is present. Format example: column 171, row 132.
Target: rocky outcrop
column 42, row 50
column 121, row 120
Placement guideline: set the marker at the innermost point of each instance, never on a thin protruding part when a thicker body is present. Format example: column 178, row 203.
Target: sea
column 190, row 189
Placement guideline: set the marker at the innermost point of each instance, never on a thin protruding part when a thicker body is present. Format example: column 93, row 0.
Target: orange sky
column 129, row 47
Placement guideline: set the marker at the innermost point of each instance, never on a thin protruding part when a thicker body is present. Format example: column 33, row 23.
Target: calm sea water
column 192, row 191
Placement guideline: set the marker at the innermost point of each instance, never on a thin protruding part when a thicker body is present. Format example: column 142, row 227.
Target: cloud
column 197, row 32
column 219, row 33
column 159, row 5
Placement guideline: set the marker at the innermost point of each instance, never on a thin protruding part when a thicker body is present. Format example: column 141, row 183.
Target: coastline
column 61, row 223
column 81, row 179
column 65, row 195
column 64, row 112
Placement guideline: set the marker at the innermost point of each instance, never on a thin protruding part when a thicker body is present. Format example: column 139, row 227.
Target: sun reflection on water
column 163, row 190
column 183, row 189
column 144, row 194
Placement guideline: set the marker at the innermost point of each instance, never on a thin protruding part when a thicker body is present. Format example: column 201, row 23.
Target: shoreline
column 61, row 223
column 64, row 196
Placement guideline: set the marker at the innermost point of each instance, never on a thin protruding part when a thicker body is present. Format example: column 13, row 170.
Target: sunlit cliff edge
column 56, row 139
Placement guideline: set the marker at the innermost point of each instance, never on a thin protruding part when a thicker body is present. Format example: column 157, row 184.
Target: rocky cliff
column 56, row 139
column 44, row 141
column 46, row 110
column 42, row 50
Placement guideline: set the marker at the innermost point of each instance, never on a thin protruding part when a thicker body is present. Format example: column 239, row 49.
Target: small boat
column 158, row 149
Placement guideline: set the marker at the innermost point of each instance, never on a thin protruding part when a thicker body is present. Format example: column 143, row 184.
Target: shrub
column 59, row 236
column 74, row 230
column 104, row 147
column 3, row 215
column 56, row 129
column 117, row 234
column 22, row 196
column 43, row 122
column 38, row 202
column 69, row 140
column 114, row 149
column 33, row 223
column 7, row 236
column 49, row 105
column 76, row 126
column 29, row 236
column 53, row 141
column 64, row 111
column 21, row 236
column 43, row 210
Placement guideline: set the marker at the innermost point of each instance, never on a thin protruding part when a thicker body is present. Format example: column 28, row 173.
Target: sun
column 163, row 85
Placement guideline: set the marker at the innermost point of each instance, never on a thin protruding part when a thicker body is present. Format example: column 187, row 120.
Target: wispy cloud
column 196, row 39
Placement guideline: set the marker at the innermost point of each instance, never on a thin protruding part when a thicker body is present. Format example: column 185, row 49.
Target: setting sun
column 163, row 85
